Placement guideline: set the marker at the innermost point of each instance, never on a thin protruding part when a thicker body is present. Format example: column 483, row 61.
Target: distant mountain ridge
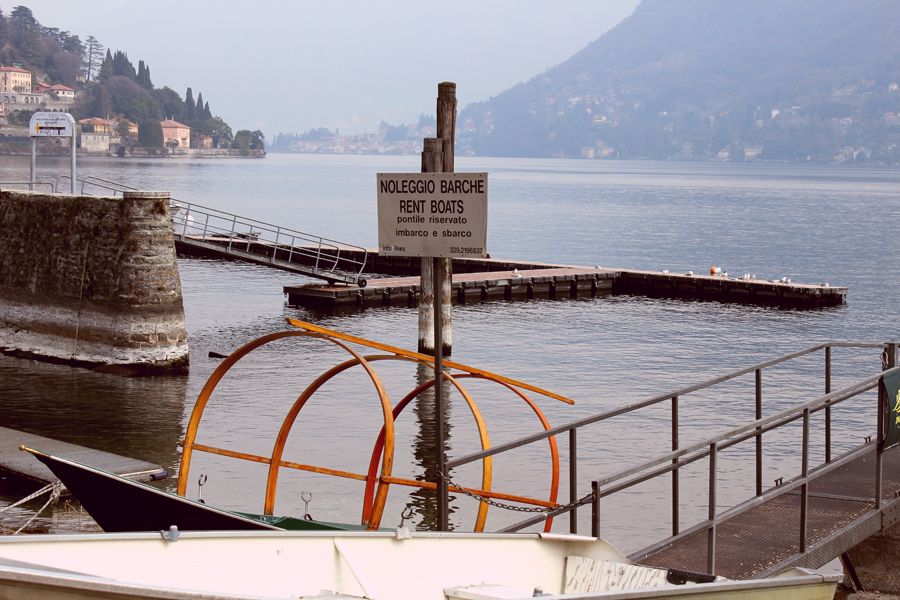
column 693, row 79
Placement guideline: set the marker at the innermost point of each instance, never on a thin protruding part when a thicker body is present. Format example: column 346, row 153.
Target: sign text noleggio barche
column 432, row 214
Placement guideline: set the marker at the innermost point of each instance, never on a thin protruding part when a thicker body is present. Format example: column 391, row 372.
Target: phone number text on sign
column 432, row 214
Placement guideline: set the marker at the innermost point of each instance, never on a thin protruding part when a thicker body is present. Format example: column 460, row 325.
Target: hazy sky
column 293, row 65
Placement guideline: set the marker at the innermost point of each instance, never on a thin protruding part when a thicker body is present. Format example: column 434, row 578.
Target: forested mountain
column 742, row 79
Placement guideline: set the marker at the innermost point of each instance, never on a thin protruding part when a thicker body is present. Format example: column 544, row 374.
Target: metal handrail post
column 804, row 488
column 291, row 250
column 711, row 530
column 828, row 408
column 232, row 234
column 187, row 213
column 759, row 441
column 318, row 254
column 205, row 226
column 879, row 443
column 595, row 509
column 573, row 480
column 275, row 249
column 675, row 498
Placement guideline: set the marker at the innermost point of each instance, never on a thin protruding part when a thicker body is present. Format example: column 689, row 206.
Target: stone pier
column 91, row 281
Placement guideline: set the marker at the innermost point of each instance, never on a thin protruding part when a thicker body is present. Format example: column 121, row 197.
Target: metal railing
column 678, row 458
column 90, row 182
column 27, row 184
column 280, row 246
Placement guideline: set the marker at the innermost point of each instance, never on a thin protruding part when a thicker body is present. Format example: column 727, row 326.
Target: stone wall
column 91, row 281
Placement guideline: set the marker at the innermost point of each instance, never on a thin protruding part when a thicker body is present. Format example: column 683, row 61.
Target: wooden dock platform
column 526, row 282
column 557, row 282
column 23, row 465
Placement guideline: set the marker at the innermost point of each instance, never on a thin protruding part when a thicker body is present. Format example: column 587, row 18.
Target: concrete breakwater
column 91, row 281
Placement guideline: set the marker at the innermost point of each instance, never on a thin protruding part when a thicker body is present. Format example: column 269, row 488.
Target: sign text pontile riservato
column 441, row 215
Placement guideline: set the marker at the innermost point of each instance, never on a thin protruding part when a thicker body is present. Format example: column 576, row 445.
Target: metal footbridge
column 839, row 478
column 208, row 231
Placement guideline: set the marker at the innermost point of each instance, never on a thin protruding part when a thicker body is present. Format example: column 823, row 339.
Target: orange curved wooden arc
column 284, row 463
column 430, row 485
column 290, row 418
column 424, row 358
column 205, row 394
column 486, row 472
column 554, row 450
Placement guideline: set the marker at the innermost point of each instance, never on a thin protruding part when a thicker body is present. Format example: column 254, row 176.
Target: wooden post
column 446, row 132
column 432, row 162
column 438, row 157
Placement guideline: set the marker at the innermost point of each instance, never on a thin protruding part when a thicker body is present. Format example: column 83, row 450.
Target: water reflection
column 134, row 416
column 426, row 447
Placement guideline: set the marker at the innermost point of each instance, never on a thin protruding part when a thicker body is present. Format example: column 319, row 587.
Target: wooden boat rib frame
column 377, row 481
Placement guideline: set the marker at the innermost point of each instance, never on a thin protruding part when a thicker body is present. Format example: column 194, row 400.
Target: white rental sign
column 441, row 215
column 51, row 124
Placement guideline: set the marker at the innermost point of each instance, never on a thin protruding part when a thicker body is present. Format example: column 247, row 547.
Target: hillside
column 49, row 69
column 694, row 79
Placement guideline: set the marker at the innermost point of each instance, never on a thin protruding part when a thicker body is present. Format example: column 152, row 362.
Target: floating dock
column 516, row 280
column 360, row 277
column 25, row 466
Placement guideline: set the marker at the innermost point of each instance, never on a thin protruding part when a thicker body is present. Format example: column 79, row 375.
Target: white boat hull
column 384, row 565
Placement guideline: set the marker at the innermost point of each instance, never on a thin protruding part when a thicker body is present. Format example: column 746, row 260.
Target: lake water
column 814, row 224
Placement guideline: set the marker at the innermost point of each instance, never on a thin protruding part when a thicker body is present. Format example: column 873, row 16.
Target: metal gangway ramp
column 209, row 231
column 842, row 492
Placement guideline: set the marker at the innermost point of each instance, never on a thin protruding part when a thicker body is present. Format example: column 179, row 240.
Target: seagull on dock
column 516, row 273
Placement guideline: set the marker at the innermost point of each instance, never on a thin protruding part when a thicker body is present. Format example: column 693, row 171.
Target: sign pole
column 72, row 141
column 442, row 496
column 432, row 162
column 33, row 163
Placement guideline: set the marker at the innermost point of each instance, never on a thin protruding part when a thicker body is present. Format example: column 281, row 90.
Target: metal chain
column 526, row 509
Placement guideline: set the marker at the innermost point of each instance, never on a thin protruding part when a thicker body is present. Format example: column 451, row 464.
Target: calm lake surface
column 813, row 224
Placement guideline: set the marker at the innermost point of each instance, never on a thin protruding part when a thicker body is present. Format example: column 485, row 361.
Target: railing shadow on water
column 710, row 448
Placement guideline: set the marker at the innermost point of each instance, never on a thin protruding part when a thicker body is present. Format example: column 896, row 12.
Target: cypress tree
column 106, row 67
column 189, row 104
column 198, row 111
column 150, row 134
column 143, row 76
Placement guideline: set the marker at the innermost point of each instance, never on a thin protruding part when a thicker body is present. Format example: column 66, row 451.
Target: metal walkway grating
column 767, row 536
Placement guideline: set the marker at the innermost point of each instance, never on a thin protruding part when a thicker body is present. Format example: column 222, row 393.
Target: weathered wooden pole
column 432, row 162
column 438, row 157
column 446, row 132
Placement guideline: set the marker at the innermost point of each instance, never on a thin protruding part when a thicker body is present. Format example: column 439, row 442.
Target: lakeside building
column 58, row 91
column 95, row 125
column 15, row 79
column 176, row 134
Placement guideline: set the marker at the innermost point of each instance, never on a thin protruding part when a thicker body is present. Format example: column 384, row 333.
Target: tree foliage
column 23, row 40
column 150, row 134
